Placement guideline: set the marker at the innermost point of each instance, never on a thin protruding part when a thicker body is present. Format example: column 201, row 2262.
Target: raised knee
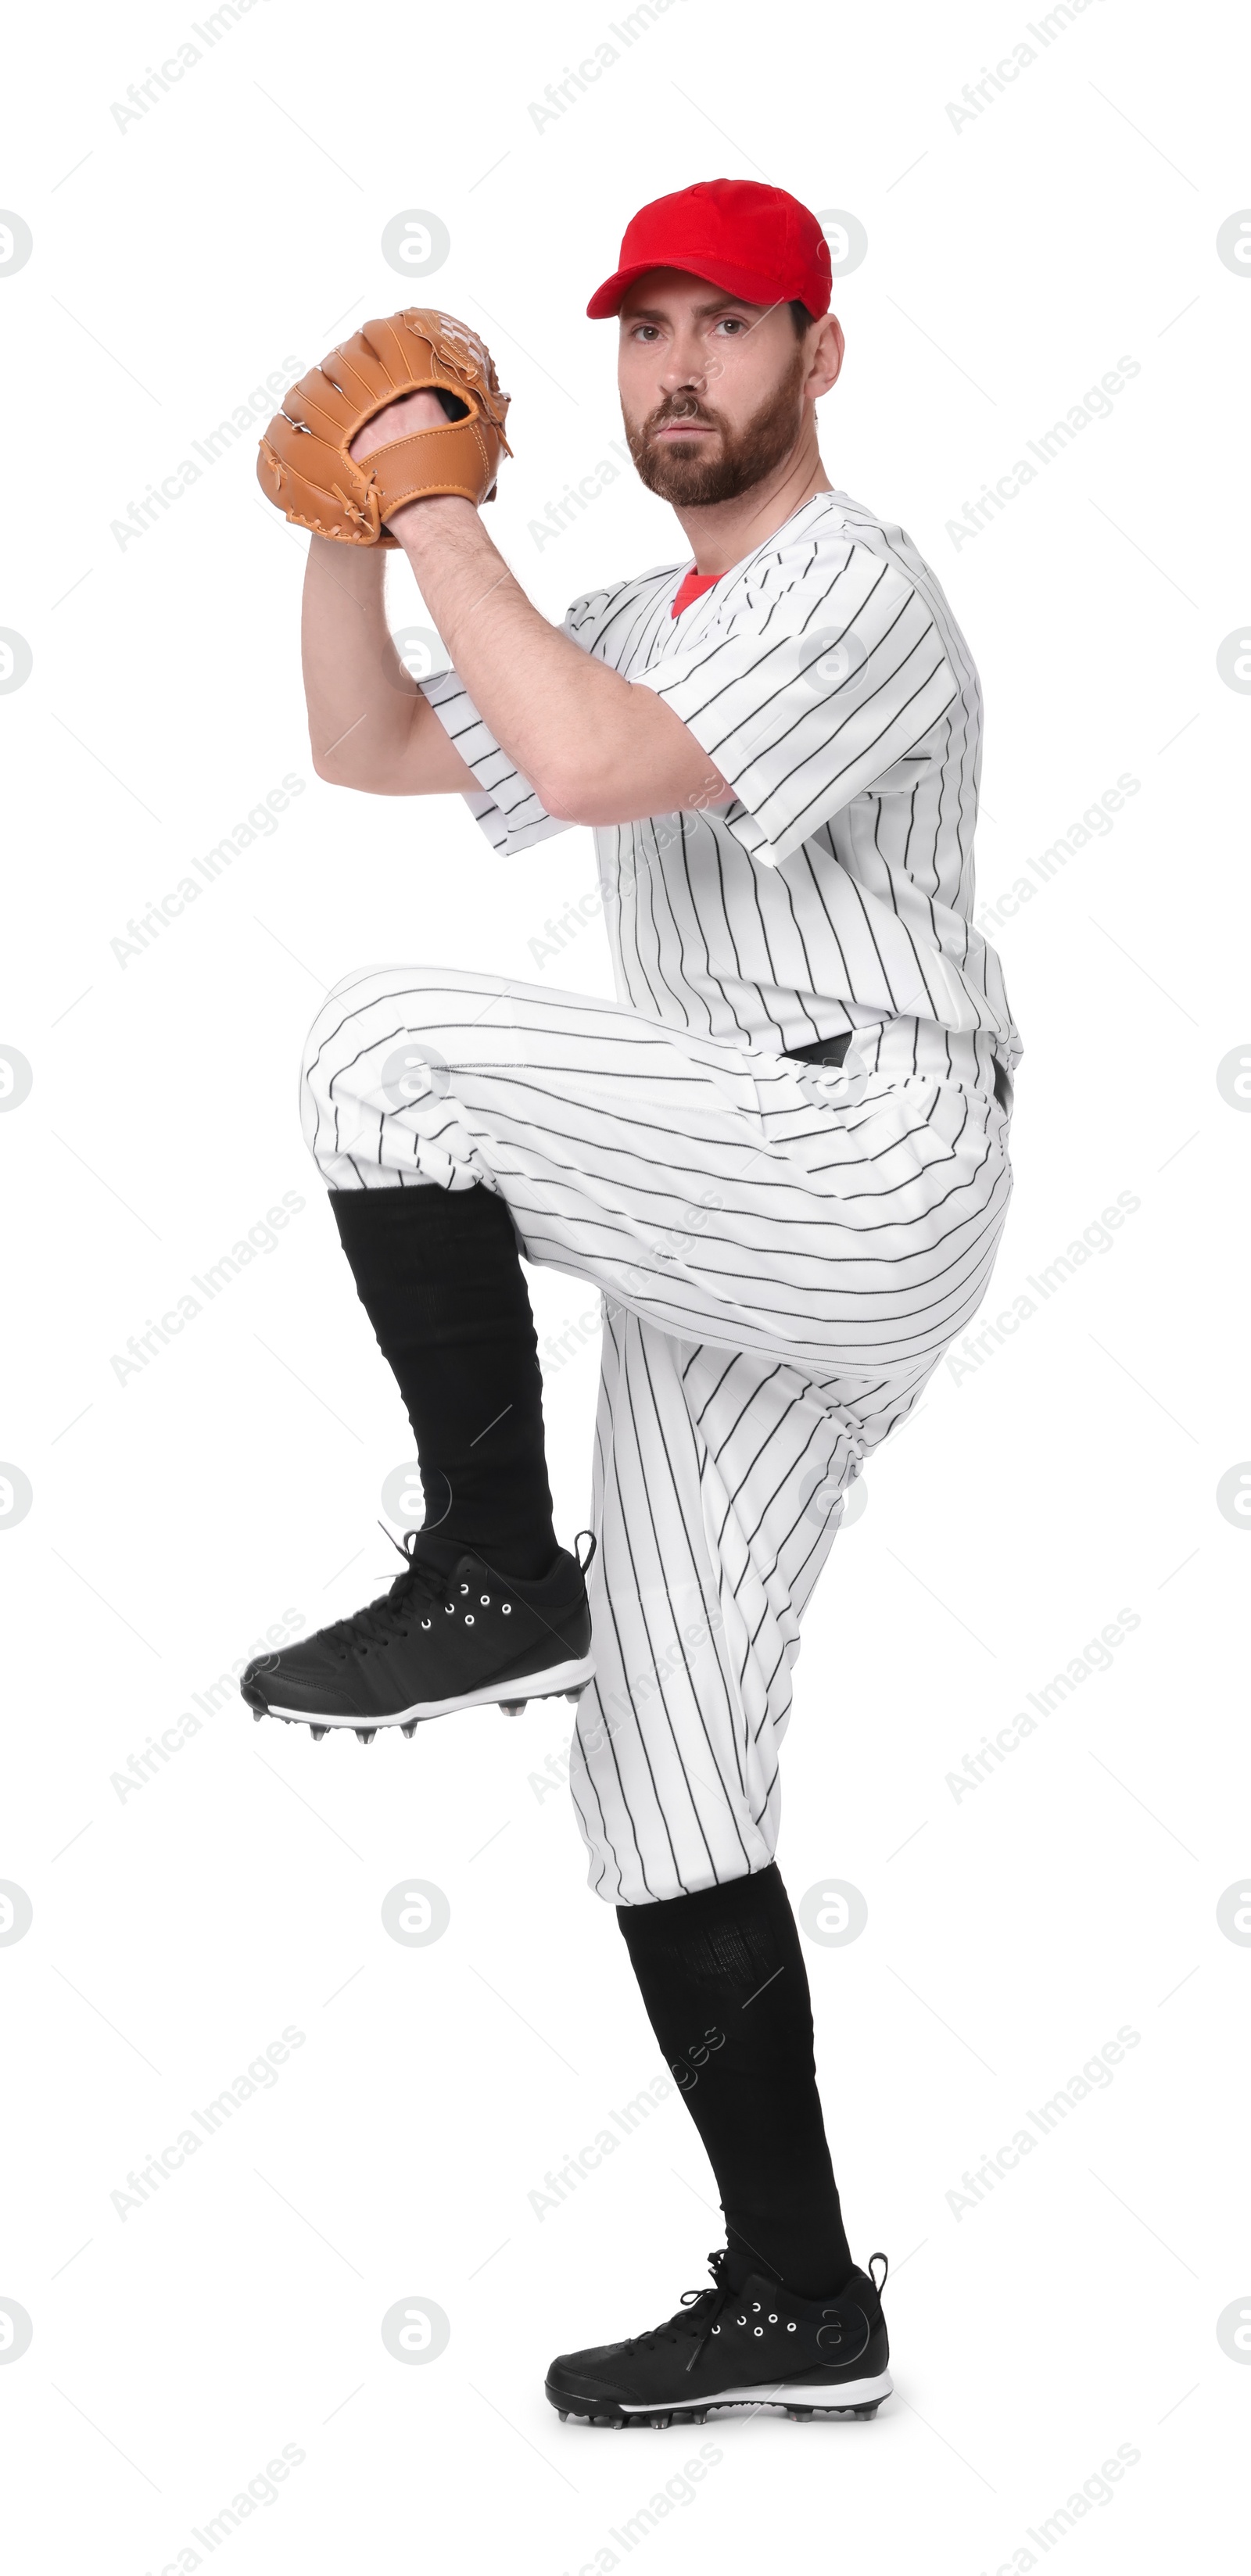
column 345, row 1020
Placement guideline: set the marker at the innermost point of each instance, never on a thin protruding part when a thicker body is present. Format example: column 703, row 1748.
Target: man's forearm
column 369, row 725
column 595, row 749
column 355, row 720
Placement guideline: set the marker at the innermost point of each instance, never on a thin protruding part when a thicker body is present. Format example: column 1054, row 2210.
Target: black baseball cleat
column 451, row 1633
column 746, row 2343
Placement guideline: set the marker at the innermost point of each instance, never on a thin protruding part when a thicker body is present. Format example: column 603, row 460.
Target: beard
column 690, row 476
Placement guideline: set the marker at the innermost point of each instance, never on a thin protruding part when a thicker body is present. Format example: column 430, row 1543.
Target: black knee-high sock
column 723, row 1978
column 438, row 1275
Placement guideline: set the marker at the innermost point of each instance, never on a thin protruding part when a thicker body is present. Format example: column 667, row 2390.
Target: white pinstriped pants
column 784, row 1252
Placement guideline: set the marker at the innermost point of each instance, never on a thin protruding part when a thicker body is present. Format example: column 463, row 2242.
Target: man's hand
column 399, row 420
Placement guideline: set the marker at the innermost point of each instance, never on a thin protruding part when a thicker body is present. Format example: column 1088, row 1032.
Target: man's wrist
column 422, row 523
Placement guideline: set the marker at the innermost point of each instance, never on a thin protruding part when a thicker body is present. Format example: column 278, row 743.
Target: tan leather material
column 305, row 466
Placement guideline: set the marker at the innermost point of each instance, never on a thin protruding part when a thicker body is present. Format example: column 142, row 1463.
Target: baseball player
column 781, row 1155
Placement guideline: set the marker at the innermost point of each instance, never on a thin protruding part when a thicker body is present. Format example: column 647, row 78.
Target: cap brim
column 753, row 288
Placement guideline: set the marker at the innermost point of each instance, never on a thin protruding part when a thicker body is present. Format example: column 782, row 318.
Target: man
column 781, row 1155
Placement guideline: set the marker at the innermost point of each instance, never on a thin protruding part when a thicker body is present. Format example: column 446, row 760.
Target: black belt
column 825, row 1051
column 833, row 1050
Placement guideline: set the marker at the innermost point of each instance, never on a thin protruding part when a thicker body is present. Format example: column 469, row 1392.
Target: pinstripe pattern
column 718, row 1491
column 784, row 1252
column 827, row 679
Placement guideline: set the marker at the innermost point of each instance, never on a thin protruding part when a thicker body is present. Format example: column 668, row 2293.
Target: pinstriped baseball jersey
column 827, row 680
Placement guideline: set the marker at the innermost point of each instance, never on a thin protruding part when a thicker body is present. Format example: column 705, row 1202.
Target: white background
column 180, row 1928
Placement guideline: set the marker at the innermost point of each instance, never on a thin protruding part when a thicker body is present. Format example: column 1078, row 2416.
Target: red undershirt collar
column 692, row 586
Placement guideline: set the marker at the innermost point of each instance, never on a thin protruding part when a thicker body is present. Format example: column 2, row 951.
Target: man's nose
column 686, row 366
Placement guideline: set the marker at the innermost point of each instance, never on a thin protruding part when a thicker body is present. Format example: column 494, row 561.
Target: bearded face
column 696, row 472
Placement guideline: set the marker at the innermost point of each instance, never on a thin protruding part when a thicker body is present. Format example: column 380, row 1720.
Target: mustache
column 680, row 407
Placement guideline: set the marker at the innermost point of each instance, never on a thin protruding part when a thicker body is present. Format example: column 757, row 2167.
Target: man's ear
column 826, row 356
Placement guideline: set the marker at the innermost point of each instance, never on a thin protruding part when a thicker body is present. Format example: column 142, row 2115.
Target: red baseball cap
column 755, row 242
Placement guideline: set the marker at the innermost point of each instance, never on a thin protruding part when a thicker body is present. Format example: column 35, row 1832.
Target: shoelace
column 418, row 1587
column 700, row 2309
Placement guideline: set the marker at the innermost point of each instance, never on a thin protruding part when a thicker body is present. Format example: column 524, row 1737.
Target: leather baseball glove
column 306, row 469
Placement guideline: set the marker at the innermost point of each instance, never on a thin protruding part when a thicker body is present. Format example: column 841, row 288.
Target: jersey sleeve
column 506, row 806
column 806, row 691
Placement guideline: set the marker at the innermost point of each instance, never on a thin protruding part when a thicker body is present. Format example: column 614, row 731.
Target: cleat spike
column 364, row 1734
column 411, row 1727
column 258, row 1714
column 513, row 1707
column 317, row 1733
